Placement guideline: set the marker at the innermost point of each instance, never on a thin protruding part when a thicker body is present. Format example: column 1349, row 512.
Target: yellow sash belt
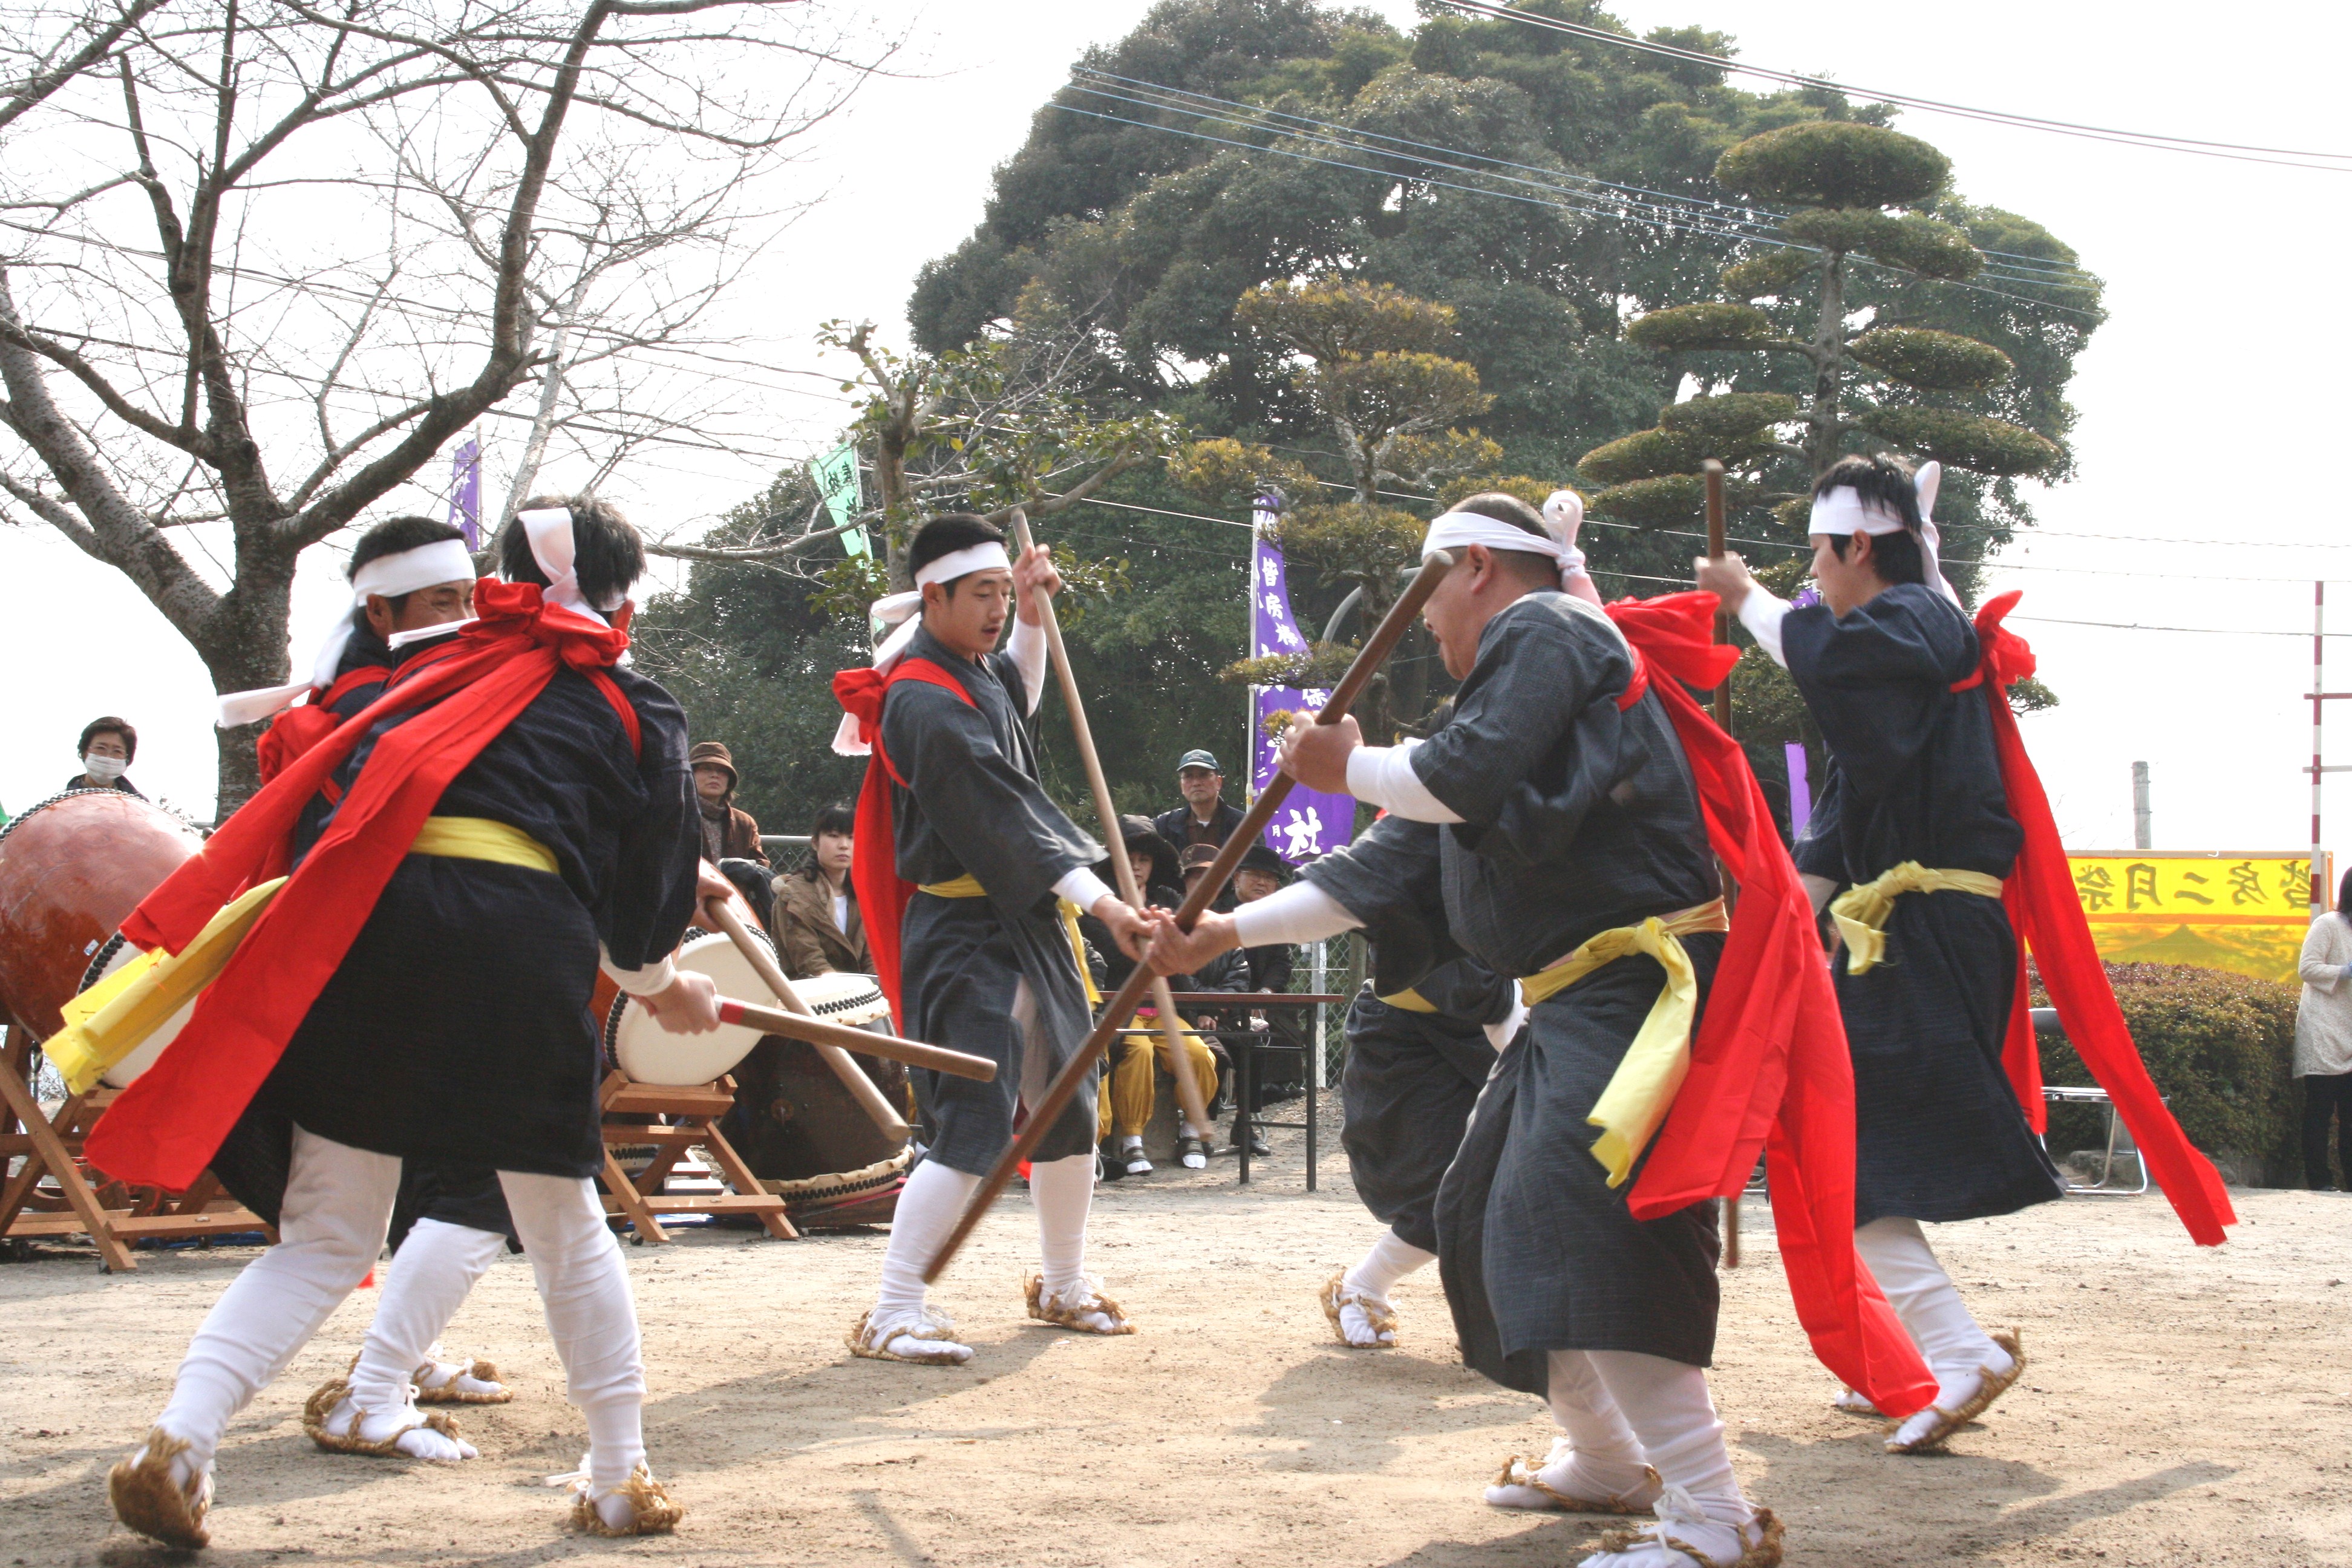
column 1861, row 912
column 967, row 886
column 1410, row 1001
column 1642, row 1089
column 115, row 1017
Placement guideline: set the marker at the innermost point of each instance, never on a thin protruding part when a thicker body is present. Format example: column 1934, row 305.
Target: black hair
column 101, row 726
column 751, row 880
column 946, row 534
column 390, row 537
column 2344, row 895
column 838, row 817
column 607, row 556
column 1886, row 483
column 1500, row 506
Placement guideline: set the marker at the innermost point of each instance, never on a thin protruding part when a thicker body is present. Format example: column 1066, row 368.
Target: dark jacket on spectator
column 83, row 781
column 1178, row 827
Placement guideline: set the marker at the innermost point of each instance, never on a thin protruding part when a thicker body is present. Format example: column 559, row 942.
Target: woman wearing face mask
column 107, row 745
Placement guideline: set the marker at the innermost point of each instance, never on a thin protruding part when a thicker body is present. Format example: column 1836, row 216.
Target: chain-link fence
column 1331, row 967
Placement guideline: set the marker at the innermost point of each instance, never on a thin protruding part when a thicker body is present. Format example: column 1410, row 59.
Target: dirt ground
column 2181, row 1406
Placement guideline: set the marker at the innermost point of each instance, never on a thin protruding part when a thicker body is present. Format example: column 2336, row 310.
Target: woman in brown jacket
column 728, row 832
column 816, row 926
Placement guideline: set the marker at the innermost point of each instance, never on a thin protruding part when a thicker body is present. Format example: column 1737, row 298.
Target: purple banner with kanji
column 1309, row 824
column 466, row 492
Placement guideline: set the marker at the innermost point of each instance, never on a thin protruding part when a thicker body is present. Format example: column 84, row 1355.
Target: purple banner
column 1800, row 790
column 466, row 492
column 1310, row 824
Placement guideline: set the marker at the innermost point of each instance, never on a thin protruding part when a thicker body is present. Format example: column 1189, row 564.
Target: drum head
column 853, row 999
column 112, row 957
column 651, row 1054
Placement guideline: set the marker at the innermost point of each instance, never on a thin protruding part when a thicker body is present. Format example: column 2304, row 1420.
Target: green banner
column 836, row 479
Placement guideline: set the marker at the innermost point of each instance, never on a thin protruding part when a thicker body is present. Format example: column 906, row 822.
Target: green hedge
column 2222, row 1046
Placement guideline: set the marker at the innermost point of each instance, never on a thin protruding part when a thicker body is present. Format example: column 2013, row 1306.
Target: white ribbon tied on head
column 902, row 611
column 1455, row 529
column 1842, row 512
column 402, row 572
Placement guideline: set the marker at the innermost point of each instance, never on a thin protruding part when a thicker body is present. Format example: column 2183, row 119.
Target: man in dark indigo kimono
column 449, row 1225
column 1914, row 819
column 958, row 839
column 1550, row 829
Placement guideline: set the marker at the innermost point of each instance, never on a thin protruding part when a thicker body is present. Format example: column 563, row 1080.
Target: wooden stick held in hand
column 818, row 1031
column 1368, row 662
column 1180, row 1060
column 853, row 1077
column 1712, row 472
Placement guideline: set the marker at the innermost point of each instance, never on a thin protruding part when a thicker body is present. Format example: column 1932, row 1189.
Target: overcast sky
column 2206, row 414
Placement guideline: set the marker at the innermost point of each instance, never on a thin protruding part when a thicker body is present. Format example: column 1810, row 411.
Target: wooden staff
column 1713, row 471
column 1041, row 1116
column 1180, row 1060
column 763, row 963
column 818, row 1031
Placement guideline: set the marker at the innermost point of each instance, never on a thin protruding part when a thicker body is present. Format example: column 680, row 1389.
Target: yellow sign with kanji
column 2246, row 914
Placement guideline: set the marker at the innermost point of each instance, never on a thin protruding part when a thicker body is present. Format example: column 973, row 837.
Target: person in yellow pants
column 1137, row 1055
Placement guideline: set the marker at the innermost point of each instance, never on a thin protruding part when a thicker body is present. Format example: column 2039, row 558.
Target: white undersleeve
column 1082, row 887
column 1384, row 776
column 1028, row 646
column 1761, row 613
column 1300, row 912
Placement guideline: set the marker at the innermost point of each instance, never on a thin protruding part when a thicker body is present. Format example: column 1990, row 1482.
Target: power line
column 2204, row 631
column 1181, row 99
column 1666, row 225
column 2285, row 157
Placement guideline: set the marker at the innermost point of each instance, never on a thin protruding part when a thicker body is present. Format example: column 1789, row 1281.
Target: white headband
column 1458, row 529
column 402, row 572
column 1842, row 512
column 899, row 610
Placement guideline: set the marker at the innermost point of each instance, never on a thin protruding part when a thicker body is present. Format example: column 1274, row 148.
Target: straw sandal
column 1338, row 1293
column 657, row 1511
column 1989, row 1387
column 321, row 1406
column 1525, row 1470
column 1064, row 1313
column 1764, row 1553
column 147, row 1499
column 451, row 1388
column 872, row 1340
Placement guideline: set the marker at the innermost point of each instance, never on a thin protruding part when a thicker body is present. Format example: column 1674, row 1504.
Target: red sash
column 882, row 893
column 166, row 1126
column 1769, row 1069
column 2048, row 916
column 298, row 729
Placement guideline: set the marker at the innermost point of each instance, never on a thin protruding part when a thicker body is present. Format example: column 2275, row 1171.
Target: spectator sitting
column 1262, row 873
column 107, row 746
column 728, row 831
column 817, row 929
column 1204, row 817
column 1138, row 1053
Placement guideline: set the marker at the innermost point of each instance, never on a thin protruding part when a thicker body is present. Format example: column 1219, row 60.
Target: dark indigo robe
column 456, row 1031
column 1579, row 818
column 972, row 805
column 1914, row 776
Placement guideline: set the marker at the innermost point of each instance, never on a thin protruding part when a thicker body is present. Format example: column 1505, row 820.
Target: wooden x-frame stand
column 112, row 1215
column 673, row 1121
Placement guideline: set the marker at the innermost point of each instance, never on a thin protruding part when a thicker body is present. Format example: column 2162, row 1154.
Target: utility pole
column 2143, row 827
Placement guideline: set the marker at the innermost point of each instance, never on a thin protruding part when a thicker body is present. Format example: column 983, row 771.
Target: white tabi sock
column 1374, row 1275
column 1597, row 1458
column 1666, row 1403
column 436, row 1266
column 583, row 1285
column 1064, row 1191
column 1923, row 1296
column 337, row 1206
column 928, row 1207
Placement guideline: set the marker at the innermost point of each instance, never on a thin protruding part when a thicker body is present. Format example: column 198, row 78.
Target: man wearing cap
column 1204, row 817
column 728, row 832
